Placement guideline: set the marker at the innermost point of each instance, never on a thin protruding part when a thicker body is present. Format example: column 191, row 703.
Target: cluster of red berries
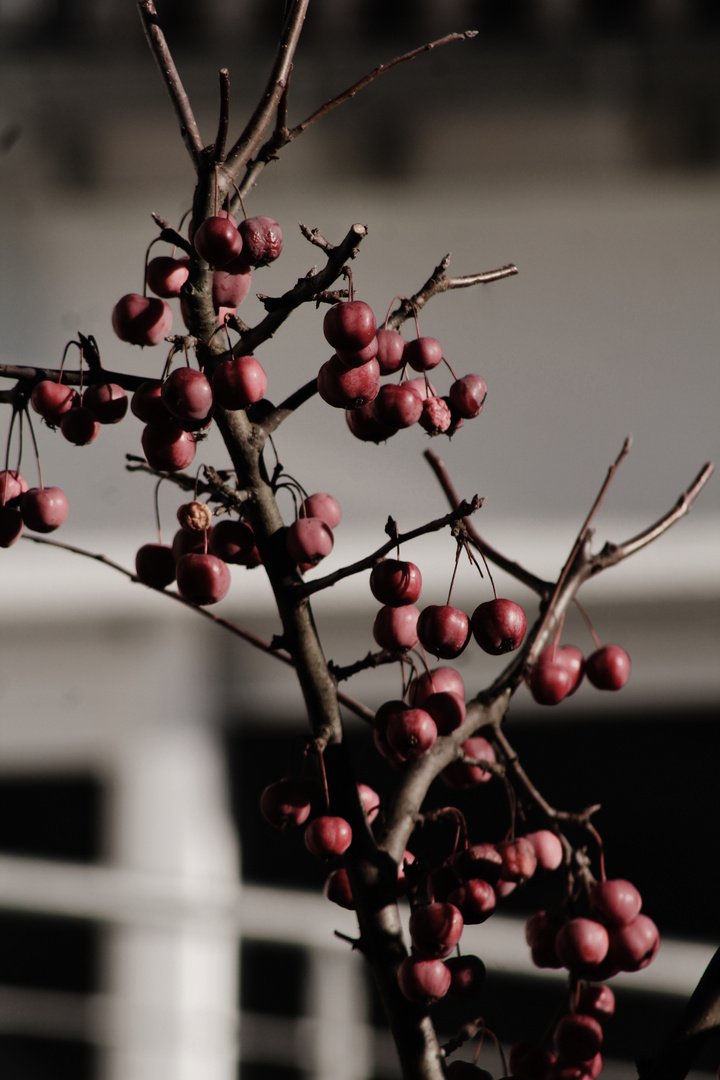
column 350, row 379
column 42, row 509
column 79, row 417
column 310, row 537
column 232, row 251
column 465, row 890
column 560, row 670
column 577, row 1041
column 498, row 626
column 613, row 937
column 199, row 555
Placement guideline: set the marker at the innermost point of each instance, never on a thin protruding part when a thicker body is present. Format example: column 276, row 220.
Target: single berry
column 423, row 981
column 187, row 394
column 218, row 241
column 443, row 630
column 44, row 509
column 202, row 579
column 396, row 627
column 308, row 540
column 238, row 383
column 262, row 240
column 166, row 276
column 459, row 774
column 141, row 320
column 327, row 836
column 395, row 582
column 348, row 388
column 167, row 447
column 435, row 928
column 608, row 668
column 467, row 396
column 285, row 803
column 107, row 402
column 322, row 506
column 411, row 733
column 423, row 353
column 349, row 325
column 499, row 626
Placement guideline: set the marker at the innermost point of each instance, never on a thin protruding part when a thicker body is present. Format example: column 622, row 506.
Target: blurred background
column 579, row 139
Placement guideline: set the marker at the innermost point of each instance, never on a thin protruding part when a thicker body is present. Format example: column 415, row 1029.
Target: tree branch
column 543, row 588
column 166, row 65
column 308, row 588
column 439, row 282
column 248, row 142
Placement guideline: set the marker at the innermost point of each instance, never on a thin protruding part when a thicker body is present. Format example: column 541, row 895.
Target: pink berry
column 548, row 848
column 167, row 447
column 519, row 859
column 443, row 630
column 187, row 394
column 238, row 383
column 390, row 349
column 141, row 320
column 435, row 417
column 218, row 241
column 349, row 325
column 202, row 579
column 52, row 400
column 578, row 1037
column 396, row 627
column 262, row 240
column 423, row 353
column 395, row 582
column 549, row 683
column 442, row 678
column 348, row 388
column 79, row 426
column 423, row 981
column 308, row 540
column 499, row 626
column 458, row 774
column 411, row 733
column 435, row 929
column 398, row 405
column 323, row 506
column 366, row 426
column 108, row 402
column 475, row 899
column 616, row 902
column 447, row 709
column 44, row 509
column 581, row 944
column 467, row 975
column 327, row 836
column 166, row 276
column 467, row 395
column 12, row 484
column 337, row 888
column 286, row 803
column 155, row 565
column 597, row 1001
column 608, row 668
column 231, row 285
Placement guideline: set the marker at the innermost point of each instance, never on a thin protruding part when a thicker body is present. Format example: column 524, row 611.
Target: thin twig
column 537, row 584
column 166, row 65
column 308, row 588
column 279, row 654
column 439, row 282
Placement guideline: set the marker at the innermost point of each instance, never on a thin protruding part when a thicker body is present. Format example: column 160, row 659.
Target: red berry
column 447, row 709
column 475, row 899
column 238, row 383
column 459, row 775
column 569, row 657
column 395, row 582
column 634, row 945
column 166, row 276
column 398, row 405
column 52, row 400
column 141, row 320
column 581, row 944
column 232, row 284
column 411, row 733
column 396, row 627
column 549, row 683
column 597, row 1001
column 359, row 357
column 467, row 395
column 548, row 848
column 79, row 426
column 435, row 417
column 44, row 509
column 262, row 240
column 285, row 803
column 423, row 981
column 327, row 836
column 616, row 902
column 433, row 682
column 11, row 525
column 187, row 394
column 348, row 388
column 218, row 241
column 234, row 542
column 499, row 626
column 308, row 540
column 147, row 404
column 443, row 630
column 578, row 1037
column 167, row 447
column 322, row 506
column 608, row 668
column 349, row 325
column 467, row 975
column 12, row 484
column 155, row 565
column 337, row 888
column 435, row 928
column 202, row 579
column 423, row 353
column 365, row 425
column 478, row 861
column 108, row 402
column 519, row 859
column 390, row 349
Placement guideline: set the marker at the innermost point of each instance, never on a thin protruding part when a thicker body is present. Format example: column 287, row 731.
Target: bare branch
column 439, row 282
column 519, row 572
column 166, row 65
column 309, row 587
column 612, row 554
column 224, row 118
column 332, row 103
column 248, row 142
column 279, row 654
